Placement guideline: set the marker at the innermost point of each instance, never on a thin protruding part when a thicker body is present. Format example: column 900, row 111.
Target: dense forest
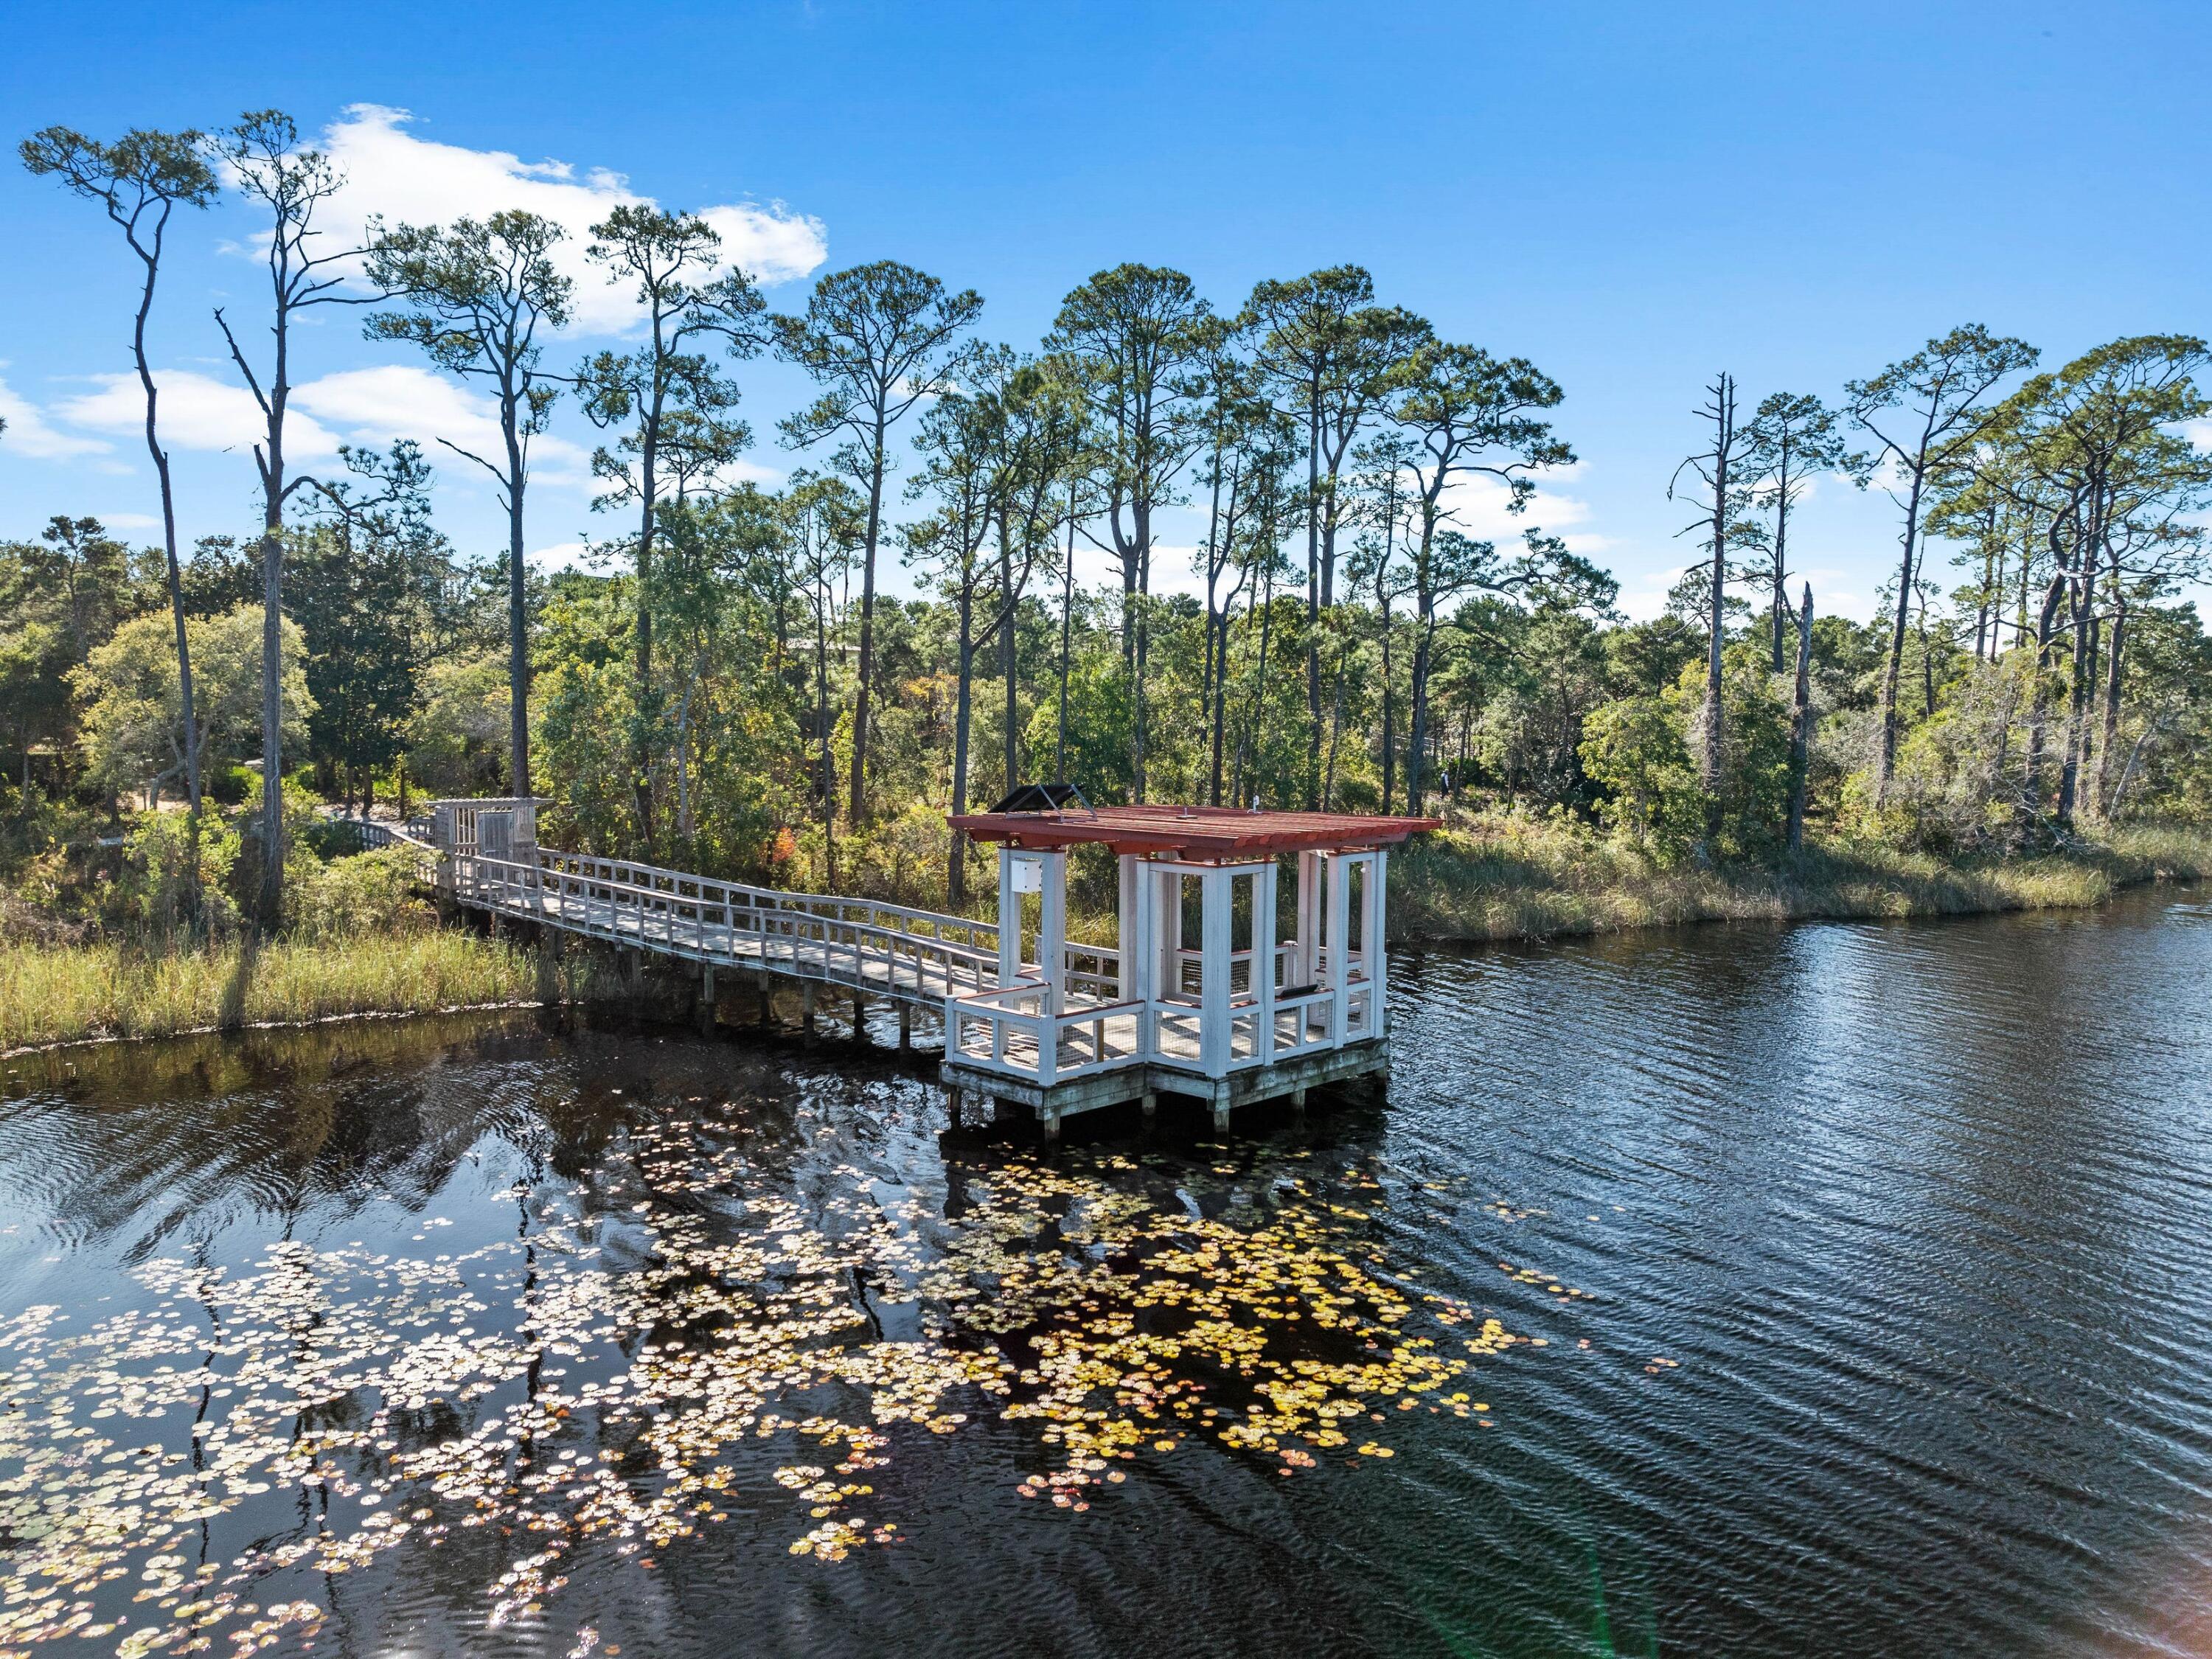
column 732, row 684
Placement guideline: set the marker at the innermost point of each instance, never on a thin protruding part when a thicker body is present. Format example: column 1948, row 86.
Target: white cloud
column 373, row 406
column 1479, row 506
column 29, row 435
column 390, row 171
column 392, row 401
column 1644, row 595
column 130, row 521
column 562, row 555
column 197, row 411
column 1830, row 599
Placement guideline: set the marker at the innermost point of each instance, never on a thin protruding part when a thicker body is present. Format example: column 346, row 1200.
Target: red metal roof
column 1193, row 832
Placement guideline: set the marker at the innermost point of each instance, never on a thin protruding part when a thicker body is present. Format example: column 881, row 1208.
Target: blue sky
column 1633, row 197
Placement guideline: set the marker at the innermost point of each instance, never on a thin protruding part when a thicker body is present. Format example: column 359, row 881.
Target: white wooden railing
column 918, row 955
column 921, row 955
column 1009, row 1030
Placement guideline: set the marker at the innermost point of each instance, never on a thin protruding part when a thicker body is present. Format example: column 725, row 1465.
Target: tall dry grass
column 1516, row 878
column 61, row 994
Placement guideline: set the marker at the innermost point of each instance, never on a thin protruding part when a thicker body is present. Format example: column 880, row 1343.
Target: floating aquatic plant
column 590, row 1376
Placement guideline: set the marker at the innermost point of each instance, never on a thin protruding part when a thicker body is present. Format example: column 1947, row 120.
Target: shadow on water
column 1837, row 1288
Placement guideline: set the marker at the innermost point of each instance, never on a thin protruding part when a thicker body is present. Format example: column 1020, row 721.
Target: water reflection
column 632, row 1303
column 1866, row 1263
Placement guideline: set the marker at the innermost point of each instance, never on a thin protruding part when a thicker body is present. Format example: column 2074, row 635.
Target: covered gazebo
column 1199, row 994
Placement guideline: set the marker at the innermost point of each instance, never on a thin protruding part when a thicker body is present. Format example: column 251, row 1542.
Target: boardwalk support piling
column 707, row 1001
column 906, row 1026
column 859, row 1018
column 806, row 1011
column 1150, row 1105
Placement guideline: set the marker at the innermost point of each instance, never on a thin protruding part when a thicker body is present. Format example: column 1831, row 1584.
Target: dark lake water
column 1836, row 1290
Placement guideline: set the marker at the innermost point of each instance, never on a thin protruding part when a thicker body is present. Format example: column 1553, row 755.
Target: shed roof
column 1193, row 832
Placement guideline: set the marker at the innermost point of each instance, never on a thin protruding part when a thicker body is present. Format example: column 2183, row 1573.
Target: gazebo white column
column 1214, row 970
column 1371, row 937
column 1305, row 961
column 1134, row 927
column 1022, row 870
column 1337, row 873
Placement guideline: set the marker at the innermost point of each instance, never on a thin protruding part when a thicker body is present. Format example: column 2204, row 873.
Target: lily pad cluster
column 199, row 1467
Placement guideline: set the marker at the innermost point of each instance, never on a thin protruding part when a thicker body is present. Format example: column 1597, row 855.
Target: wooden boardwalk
column 914, row 957
column 1065, row 1035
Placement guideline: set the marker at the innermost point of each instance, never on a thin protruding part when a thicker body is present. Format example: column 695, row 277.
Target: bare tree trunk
column 1138, row 728
column 2077, row 677
column 1927, row 665
column 2099, row 800
column 175, row 575
column 1982, row 611
column 1389, row 710
column 2039, row 695
column 642, row 738
column 1801, row 724
column 1885, row 758
column 956, row 869
column 1335, row 735
column 518, row 613
column 857, row 812
column 1418, row 744
column 1247, row 741
column 1781, row 606
column 1708, row 754
column 1066, row 638
column 1313, row 606
column 1009, row 649
column 827, row 782
column 1220, row 705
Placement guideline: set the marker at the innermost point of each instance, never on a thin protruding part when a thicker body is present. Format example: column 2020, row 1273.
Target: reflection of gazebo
column 1197, row 995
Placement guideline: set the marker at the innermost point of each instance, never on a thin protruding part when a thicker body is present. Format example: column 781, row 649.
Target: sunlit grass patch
column 1507, row 877
column 61, row 994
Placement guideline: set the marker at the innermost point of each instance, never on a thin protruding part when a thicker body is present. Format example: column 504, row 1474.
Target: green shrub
column 174, row 882
column 349, row 897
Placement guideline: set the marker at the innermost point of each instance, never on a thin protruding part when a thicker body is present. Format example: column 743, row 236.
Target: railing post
column 1010, row 921
column 1338, row 873
column 1263, row 960
column 1052, row 931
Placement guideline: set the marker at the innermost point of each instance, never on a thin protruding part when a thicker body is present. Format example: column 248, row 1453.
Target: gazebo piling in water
column 1197, row 995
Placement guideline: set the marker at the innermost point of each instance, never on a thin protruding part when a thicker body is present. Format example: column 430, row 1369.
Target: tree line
column 729, row 687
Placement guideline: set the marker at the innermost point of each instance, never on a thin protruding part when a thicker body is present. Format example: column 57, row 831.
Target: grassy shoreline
column 1485, row 880
column 60, row 993
column 1504, row 881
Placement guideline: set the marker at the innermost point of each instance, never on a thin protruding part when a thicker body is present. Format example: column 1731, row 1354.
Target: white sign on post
column 1029, row 876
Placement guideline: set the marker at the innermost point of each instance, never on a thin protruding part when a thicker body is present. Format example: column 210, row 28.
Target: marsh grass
column 1509, row 878
column 61, row 992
